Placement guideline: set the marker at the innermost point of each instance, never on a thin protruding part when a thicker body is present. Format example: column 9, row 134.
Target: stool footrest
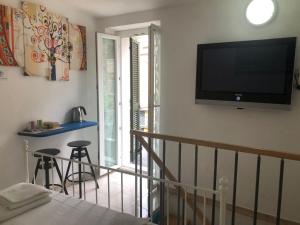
column 82, row 177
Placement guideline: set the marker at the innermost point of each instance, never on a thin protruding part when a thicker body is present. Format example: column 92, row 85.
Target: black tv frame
column 244, row 96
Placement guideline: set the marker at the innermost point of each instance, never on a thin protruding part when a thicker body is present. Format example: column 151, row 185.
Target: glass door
column 108, row 90
column 154, row 82
column 154, row 78
column 154, row 105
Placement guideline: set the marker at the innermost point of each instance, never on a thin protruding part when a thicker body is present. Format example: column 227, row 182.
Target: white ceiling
column 104, row 8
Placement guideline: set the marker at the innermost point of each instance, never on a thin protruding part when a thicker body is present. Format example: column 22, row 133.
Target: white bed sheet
column 66, row 210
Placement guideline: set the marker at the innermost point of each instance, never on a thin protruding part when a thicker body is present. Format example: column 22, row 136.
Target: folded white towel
column 21, row 194
column 6, row 214
column 30, row 200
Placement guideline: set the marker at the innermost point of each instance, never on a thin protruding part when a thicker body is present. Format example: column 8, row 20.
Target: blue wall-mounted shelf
column 67, row 127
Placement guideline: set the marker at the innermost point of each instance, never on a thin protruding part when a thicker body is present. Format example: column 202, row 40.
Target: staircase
column 195, row 201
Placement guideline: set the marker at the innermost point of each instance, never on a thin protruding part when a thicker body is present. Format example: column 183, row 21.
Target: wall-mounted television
column 246, row 71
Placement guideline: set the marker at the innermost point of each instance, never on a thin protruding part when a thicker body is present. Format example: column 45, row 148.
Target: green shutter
column 134, row 93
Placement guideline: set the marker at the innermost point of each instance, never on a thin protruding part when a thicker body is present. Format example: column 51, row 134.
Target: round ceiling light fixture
column 260, row 12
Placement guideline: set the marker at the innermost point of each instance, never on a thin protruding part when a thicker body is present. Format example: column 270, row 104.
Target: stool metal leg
column 67, row 172
column 92, row 169
column 46, row 168
column 36, row 170
column 79, row 173
column 58, row 170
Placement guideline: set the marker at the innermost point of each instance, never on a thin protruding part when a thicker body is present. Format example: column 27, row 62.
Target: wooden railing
column 219, row 145
column 146, row 139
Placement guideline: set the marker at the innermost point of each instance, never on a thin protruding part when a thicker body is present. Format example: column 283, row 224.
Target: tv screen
column 250, row 71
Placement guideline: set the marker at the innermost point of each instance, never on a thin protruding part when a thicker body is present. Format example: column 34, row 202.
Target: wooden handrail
column 219, row 145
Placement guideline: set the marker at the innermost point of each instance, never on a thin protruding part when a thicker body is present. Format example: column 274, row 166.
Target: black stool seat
column 79, row 144
column 48, row 151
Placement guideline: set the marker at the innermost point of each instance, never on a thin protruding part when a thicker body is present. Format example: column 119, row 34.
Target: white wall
column 30, row 98
column 183, row 27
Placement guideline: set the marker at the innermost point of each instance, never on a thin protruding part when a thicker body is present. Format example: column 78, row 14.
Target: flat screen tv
column 247, row 71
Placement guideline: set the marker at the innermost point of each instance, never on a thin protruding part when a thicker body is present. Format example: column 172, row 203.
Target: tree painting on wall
column 46, row 43
column 11, row 37
column 42, row 42
column 58, row 45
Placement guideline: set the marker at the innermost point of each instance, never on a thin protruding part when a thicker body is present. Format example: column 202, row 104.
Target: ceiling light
column 260, row 12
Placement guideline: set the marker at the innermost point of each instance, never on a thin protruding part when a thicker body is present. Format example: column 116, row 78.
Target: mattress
column 66, row 210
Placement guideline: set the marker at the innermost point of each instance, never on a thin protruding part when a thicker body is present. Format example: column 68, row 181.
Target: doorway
column 135, row 66
column 129, row 93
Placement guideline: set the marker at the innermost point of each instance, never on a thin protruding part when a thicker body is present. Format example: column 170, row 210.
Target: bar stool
column 79, row 151
column 47, row 165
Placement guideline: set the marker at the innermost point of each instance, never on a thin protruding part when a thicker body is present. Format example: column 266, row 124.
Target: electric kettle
column 77, row 113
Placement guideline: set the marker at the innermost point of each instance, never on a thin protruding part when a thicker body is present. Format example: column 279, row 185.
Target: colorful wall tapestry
column 46, row 43
column 42, row 42
column 11, row 37
column 77, row 38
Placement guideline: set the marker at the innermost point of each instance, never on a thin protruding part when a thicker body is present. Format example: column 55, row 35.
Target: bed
column 66, row 210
